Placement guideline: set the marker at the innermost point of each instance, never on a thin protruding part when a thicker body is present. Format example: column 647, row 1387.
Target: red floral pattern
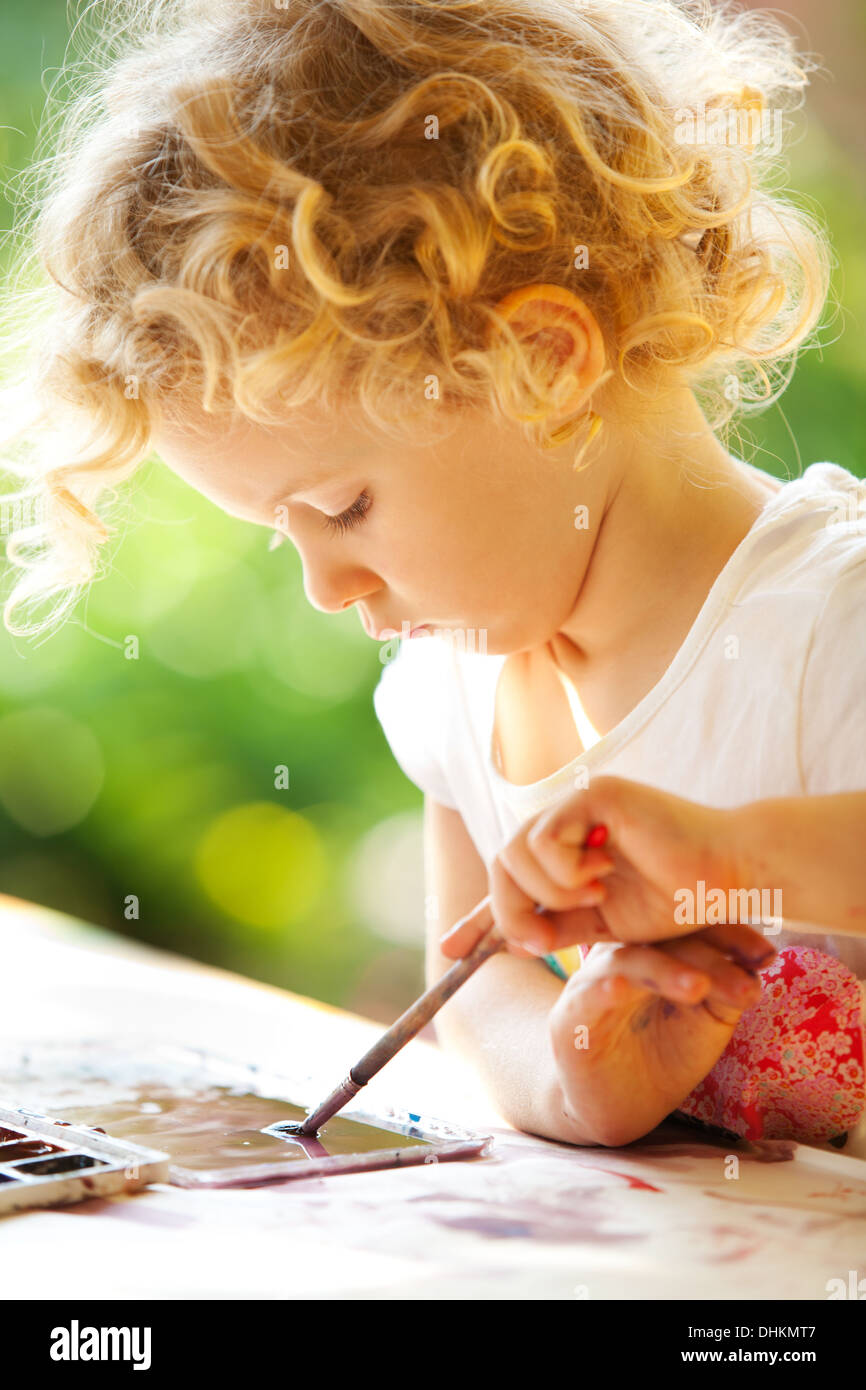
column 794, row 1065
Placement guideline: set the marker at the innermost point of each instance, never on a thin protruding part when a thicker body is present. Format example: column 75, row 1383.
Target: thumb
column 459, row 940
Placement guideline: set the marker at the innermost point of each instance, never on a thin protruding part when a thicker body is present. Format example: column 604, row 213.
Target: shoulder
column 826, row 495
column 810, row 535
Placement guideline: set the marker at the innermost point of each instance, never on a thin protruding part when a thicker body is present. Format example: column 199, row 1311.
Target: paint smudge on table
column 583, row 1214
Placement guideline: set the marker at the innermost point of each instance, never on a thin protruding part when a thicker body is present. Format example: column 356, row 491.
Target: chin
column 464, row 639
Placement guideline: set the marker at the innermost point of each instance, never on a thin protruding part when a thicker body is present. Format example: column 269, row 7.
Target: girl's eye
column 353, row 515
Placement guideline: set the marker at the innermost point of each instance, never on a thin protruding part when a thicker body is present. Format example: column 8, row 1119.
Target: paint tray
column 46, row 1162
column 222, row 1123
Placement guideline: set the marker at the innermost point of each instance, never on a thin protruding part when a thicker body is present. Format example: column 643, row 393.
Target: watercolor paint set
column 46, row 1162
column 209, row 1121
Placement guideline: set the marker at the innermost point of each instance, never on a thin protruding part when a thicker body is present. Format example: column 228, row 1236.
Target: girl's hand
column 638, row 1027
column 546, row 892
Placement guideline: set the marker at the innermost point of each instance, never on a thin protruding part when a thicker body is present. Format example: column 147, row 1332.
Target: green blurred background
column 156, row 777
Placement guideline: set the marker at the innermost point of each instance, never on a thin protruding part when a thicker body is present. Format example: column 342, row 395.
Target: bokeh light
column 386, row 873
column 262, row 864
column 51, row 769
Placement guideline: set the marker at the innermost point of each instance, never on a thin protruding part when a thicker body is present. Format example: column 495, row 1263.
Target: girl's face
column 474, row 533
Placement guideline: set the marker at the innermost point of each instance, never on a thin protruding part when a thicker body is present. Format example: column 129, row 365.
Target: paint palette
column 220, row 1123
column 46, row 1162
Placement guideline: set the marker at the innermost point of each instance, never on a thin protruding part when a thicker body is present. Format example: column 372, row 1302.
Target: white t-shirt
column 766, row 697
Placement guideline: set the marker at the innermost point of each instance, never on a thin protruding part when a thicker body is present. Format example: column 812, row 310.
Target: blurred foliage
column 227, row 792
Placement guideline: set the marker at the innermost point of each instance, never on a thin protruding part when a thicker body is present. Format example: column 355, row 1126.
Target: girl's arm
column 651, row 1034
column 813, row 848
column 498, row 1021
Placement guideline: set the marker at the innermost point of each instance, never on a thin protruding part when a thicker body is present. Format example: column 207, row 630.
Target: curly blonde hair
column 252, row 204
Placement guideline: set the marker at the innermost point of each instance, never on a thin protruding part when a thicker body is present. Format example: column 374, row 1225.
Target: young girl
column 455, row 296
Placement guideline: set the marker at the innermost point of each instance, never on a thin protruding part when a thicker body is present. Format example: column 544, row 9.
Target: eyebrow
column 305, row 485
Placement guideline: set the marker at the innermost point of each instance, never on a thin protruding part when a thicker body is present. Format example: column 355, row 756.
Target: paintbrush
column 407, row 1025
column 413, row 1020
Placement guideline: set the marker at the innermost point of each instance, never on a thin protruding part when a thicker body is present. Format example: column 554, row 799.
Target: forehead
column 247, row 467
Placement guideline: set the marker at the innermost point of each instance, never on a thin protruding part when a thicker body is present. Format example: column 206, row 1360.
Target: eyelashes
column 353, row 516
column 344, row 521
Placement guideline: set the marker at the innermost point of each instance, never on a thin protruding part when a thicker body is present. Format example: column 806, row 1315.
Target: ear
column 564, row 329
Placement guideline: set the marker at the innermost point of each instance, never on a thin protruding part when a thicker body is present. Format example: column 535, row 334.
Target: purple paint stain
column 533, row 1221
column 579, row 1214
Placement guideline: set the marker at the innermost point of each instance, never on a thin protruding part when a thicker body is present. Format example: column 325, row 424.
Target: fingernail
column 591, row 896
column 688, row 981
column 593, row 888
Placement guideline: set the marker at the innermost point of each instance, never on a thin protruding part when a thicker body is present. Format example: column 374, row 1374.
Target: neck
column 674, row 509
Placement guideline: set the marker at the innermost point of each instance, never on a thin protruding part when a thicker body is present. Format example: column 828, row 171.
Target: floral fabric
column 794, row 1065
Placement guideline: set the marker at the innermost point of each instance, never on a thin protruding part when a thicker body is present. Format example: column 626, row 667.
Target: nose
column 325, row 604
column 333, row 595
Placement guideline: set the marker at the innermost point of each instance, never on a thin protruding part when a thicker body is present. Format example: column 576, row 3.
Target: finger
column 462, row 938
column 556, row 931
column 649, row 968
column 570, row 820
column 576, row 869
column 731, row 986
column 537, row 932
column 749, row 947
column 568, row 866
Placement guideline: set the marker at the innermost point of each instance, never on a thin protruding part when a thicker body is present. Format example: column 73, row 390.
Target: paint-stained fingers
column 556, row 875
column 539, row 932
column 731, row 986
column 564, row 863
column 749, row 947
column 644, row 968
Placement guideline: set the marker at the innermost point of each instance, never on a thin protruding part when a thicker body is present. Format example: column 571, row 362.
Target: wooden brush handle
column 421, row 1012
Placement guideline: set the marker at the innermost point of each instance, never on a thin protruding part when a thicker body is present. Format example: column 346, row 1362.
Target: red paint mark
column 596, row 837
column 626, row 1177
